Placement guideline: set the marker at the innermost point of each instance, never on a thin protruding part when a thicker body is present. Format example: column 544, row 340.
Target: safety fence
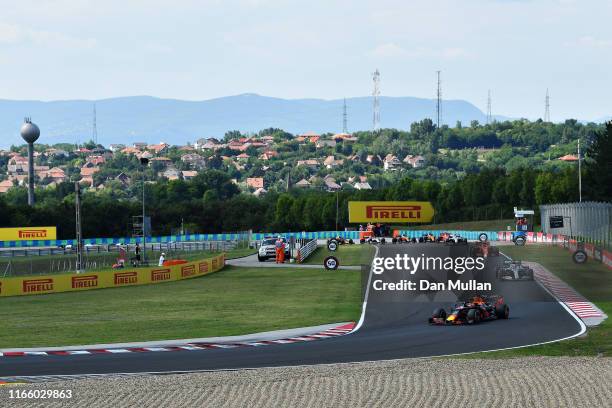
column 241, row 236
column 224, row 237
column 19, row 286
column 306, row 250
column 470, row 235
column 594, row 251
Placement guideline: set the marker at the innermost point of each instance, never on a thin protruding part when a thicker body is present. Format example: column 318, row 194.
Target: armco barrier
column 597, row 253
column 127, row 240
column 108, row 279
column 472, row 235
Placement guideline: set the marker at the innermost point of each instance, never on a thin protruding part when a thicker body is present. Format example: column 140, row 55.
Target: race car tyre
column 502, row 311
column 483, row 237
column 520, row 241
column 383, row 241
column 471, row 316
column 362, row 241
column 332, row 245
column 579, row 256
column 439, row 313
column 331, row 263
column 394, row 240
column 351, row 242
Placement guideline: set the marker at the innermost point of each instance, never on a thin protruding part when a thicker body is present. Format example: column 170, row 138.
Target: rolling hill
column 150, row 119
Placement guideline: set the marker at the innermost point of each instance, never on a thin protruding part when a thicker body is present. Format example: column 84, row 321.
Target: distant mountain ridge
column 150, row 119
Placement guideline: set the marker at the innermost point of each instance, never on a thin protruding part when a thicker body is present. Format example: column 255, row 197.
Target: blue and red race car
column 473, row 311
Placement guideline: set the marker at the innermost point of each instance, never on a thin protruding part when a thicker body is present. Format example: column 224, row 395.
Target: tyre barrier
column 332, row 245
column 331, row 263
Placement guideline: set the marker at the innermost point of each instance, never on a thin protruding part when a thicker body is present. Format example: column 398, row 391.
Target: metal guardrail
column 28, row 262
column 213, row 246
column 228, row 237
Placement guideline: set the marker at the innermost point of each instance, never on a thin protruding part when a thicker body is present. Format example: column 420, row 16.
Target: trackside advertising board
column 38, row 285
column 390, row 211
column 28, row 234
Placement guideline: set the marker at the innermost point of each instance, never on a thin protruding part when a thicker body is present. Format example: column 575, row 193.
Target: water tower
column 30, row 133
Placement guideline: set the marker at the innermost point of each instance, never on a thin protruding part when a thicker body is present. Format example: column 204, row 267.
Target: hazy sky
column 200, row 49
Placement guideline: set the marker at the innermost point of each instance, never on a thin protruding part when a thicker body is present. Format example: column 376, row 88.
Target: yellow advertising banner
column 390, row 211
column 38, row 285
column 28, row 234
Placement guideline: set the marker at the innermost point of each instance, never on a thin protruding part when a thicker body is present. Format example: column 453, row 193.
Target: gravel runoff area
column 442, row 382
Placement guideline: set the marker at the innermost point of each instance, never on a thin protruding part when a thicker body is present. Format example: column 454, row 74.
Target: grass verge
column 347, row 255
column 230, row 302
column 593, row 280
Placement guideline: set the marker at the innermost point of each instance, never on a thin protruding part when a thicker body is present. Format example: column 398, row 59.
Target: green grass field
column 346, row 254
column 593, row 280
column 229, row 302
column 488, row 225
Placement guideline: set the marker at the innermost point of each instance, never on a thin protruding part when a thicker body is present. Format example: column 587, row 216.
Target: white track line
column 365, row 299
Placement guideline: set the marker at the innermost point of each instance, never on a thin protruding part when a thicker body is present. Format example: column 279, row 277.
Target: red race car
column 473, row 311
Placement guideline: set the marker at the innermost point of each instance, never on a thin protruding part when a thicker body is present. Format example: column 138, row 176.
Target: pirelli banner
column 28, row 234
column 38, row 285
column 390, row 211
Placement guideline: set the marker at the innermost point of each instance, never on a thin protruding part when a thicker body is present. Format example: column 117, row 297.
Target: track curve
column 393, row 327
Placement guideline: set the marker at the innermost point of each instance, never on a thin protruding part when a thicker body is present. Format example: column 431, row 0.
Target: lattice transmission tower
column 344, row 118
column 547, row 107
column 94, row 130
column 439, row 101
column 489, row 115
column 376, row 101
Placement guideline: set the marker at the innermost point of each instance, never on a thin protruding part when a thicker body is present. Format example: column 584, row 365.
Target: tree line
column 211, row 202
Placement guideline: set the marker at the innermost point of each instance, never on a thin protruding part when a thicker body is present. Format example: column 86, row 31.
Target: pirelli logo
column 84, row 282
column 160, row 275
column 28, row 233
column 390, row 211
column 32, row 234
column 203, row 267
column 187, row 271
column 407, row 212
column 126, row 278
column 37, row 285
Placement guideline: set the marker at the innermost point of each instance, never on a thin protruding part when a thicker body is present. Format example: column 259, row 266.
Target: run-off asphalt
column 393, row 328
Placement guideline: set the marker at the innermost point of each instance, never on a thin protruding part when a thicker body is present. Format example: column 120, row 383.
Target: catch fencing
column 588, row 221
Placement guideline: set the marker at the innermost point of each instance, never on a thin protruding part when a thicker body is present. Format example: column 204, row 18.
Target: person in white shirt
column 162, row 258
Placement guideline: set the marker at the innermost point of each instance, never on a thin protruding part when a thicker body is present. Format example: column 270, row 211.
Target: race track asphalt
column 394, row 326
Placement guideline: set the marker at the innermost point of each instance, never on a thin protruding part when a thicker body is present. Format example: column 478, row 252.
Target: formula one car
column 473, row 311
column 483, row 250
column 427, row 238
column 514, row 270
column 455, row 239
column 402, row 239
column 374, row 240
column 341, row 241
